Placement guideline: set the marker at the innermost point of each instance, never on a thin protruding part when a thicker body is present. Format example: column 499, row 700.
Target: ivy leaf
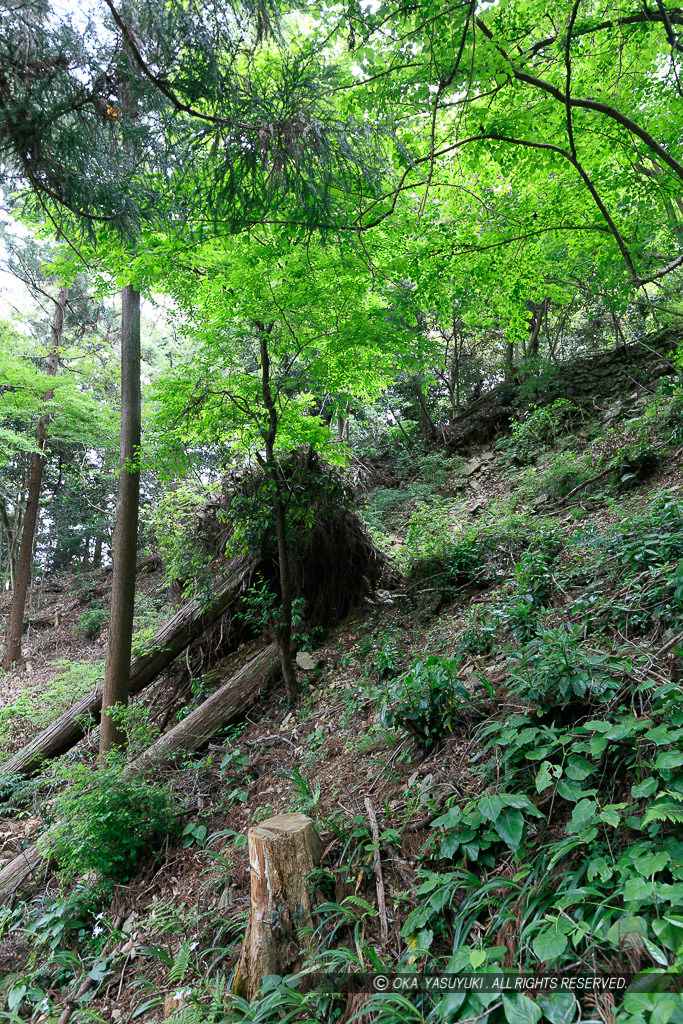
column 519, row 1009
column 637, row 890
column 448, row 820
column 558, row 1007
column 645, row 788
column 649, row 864
column 549, row 944
column 582, row 815
column 579, row 768
column 543, row 777
column 628, row 925
column 668, row 760
column 477, row 958
column 449, row 846
column 510, row 827
column 610, row 816
column 571, row 791
column 490, row 807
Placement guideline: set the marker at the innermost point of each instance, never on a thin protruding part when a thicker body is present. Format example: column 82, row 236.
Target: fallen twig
column 381, row 902
column 668, row 646
column 585, row 483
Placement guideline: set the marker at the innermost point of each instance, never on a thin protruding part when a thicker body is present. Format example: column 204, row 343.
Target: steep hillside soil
column 509, row 705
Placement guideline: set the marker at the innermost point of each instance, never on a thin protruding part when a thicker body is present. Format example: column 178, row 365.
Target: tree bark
column 234, row 698
column 97, row 553
column 284, row 632
column 285, row 629
column 193, row 732
column 21, row 870
column 174, row 636
column 15, row 630
column 427, row 428
column 117, row 671
column 539, row 313
column 283, row 851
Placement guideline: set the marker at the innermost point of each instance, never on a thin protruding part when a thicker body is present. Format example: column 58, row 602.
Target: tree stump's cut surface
column 282, row 852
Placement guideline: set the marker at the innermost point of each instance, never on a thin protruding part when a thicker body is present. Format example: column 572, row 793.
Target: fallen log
column 173, row 637
column 220, row 708
column 229, row 701
column 21, row 870
column 477, row 404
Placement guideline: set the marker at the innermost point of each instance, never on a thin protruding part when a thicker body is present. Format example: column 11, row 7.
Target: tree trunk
column 509, row 360
column 284, row 632
column 535, row 329
column 97, row 553
column 21, row 870
column 117, row 671
column 26, row 865
column 285, row 629
column 619, row 339
column 427, row 428
column 282, row 852
column 230, row 700
column 173, row 637
column 15, row 630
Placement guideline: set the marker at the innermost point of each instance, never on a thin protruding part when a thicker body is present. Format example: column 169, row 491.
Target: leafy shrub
column 107, row 819
column 35, row 708
column 533, row 577
column 478, row 637
column 675, row 419
column 635, row 465
column 389, row 508
column 173, row 521
column 531, row 593
column 555, row 668
column 646, row 539
column 260, row 606
column 473, row 828
column 431, row 531
column 482, row 551
column 432, row 552
column 261, row 611
column 434, row 467
column 555, row 478
column 640, row 557
column 424, row 700
column 90, row 623
column 305, row 636
column 65, row 917
column 388, row 657
column 17, row 792
column 416, row 463
column 541, row 427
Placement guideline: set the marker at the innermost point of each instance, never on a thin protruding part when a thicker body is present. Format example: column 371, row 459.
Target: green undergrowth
column 556, row 451
column 560, row 848
column 35, row 707
column 548, row 839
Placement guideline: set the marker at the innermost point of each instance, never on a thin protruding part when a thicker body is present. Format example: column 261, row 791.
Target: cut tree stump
column 191, row 734
column 282, row 852
column 187, row 624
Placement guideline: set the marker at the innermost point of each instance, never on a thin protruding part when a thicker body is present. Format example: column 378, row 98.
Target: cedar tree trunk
column 15, row 629
column 125, row 542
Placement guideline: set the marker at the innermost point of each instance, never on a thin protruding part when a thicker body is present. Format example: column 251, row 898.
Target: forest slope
column 510, row 705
